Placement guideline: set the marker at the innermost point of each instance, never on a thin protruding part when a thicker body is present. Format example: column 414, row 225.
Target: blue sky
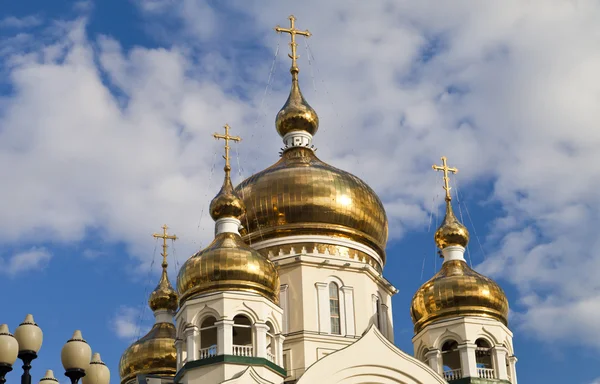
column 106, row 110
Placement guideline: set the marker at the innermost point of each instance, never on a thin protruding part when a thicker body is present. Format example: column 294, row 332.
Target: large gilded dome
column 154, row 353
column 302, row 195
column 457, row 290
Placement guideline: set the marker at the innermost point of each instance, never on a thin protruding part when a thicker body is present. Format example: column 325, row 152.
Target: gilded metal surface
column 164, row 296
column 451, row 232
column 296, row 114
column 228, row 264
column 457, row 290
column 154, row 353
column 445, row 169
column 226, row 203
column 302, row 195
column 322, row 248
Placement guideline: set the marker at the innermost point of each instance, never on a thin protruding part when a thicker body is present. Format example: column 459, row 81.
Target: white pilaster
column 453, row 252
column 323, row 305
column 512, row 361
column 468, row 361
column 297, row 139
column 283, row 303
column 434, row 359
column 348, row 296
column 279, row 339
column 499, row 358
column 261, row 339
column 191, row 335
column 227, row 224
column 178, row 345
column 224, row 337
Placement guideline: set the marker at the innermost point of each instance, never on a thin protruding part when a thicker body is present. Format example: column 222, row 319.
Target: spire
column 164, row 297
column 227, row 204
column 296, row 122
column 451, row 232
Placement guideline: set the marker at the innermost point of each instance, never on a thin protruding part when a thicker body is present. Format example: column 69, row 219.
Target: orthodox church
column 291, row 289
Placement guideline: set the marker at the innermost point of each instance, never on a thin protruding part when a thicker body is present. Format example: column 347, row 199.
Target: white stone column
column 499, row 358
column 434, row 359
column 283, row 303
column 468, row 362
column 224, row 337
column 191, row 335
column 324, row 322
column 178, row 345
column 348, row 293
column 279, row 339
column 260, row 330
column 512, row 361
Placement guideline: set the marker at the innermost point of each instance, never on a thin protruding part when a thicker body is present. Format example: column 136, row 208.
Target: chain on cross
column 444, row 168
column 293, row 32
column 227, row 137
column 165, row 236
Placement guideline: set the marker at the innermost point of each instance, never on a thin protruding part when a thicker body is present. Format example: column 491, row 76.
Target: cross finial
column 293, row 32
column 165, row 236
column 227, row 137
column 444, row 168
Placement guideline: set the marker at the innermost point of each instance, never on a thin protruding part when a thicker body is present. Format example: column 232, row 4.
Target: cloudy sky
column 106, row 111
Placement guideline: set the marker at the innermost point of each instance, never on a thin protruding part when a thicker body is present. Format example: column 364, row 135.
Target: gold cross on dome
column 227, row 137
column 444, row 168
column 293, row 32
column 165, row 236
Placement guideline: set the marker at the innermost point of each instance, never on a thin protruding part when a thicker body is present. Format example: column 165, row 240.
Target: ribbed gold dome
column 451, row 232
column 154, row 353
column 163, row 296
column 302, row 195
column 457, row 290
column 226, row 203
column 228, row 264
column 296, row 114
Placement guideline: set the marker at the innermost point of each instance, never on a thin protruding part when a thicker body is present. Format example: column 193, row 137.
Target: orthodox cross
column 165, row 236
column 444, row 168
column 293, row 32
column 227, row 137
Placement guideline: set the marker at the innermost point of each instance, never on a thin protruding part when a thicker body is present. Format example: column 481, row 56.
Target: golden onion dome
column 228, row 264
column 457, row 290
column 296, row 114
column 452, row 231
column 226, row 203
column 152, row 354
column 163, row 296
column 302, row 195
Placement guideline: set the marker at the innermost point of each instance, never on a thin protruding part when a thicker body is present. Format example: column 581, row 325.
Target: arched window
column 483, row 358
column 208, row 338
column 334, row 308
column 270, row 343
column 378, row 314
column 242, row 336
column 451, row 360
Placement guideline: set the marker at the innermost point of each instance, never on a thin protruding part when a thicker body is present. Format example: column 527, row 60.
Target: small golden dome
column 457, row 290
column 451, row 232
column 228, row 264
column 302, row 195
column 163, row 296
column 152, row 354
column 226, row 203
column 296, row 114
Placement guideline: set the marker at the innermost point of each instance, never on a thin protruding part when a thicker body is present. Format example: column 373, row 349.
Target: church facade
column 291, row 290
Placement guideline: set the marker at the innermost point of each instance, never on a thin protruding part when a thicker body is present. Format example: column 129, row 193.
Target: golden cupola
column 301, row 194
column 456, row 290
column 155, row 352
column 228, row 264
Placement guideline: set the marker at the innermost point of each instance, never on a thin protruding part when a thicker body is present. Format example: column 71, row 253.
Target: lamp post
column 75, row 355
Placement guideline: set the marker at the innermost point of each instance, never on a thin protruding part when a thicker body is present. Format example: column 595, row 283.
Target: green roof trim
column 230, row 359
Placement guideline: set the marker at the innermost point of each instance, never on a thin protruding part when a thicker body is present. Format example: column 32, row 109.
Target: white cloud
column 128, row 323
column 508, row 92
column 24, row 22
column 33, row 259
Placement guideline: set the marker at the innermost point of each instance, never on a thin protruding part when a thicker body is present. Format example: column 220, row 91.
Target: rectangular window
column 334, row 309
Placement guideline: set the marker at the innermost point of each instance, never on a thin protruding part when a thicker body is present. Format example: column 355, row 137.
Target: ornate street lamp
column 75, row 356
